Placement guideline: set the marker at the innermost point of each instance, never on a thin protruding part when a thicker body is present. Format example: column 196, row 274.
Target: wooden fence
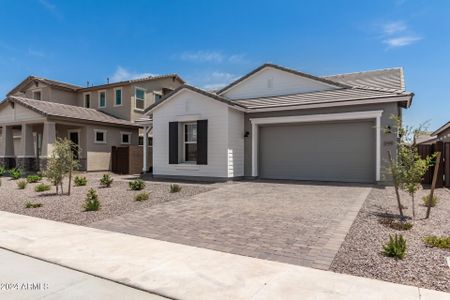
column 444, row 163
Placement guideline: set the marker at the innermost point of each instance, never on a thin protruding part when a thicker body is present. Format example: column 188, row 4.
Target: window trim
column 184, row 160
column 122, row 134
column 36, row 91
column 115, row 97
column 105, row 132
column 90, row 99
column 98, row 98
column 135, row 98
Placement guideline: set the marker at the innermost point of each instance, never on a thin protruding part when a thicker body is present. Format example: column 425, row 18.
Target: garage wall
column 388, row 140
column 235, row 143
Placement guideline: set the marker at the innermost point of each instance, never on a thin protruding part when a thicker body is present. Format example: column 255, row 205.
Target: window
column 100, row 136
column 37, row 95
column 139, row 96
column 157, row 97
column 87, row 100
column 118, row 97
column 125, row 137
column 190, row 142
column 141, row 141
column 102, row 99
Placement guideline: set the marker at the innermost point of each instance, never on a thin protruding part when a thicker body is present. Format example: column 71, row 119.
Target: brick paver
column 301, row 224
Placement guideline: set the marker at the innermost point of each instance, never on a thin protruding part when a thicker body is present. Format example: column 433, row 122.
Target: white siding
column 272, row 82
column 235, row 143
column 191, row 106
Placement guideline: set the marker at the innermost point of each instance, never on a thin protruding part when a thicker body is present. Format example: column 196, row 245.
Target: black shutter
column 202, row 142
column 173, row 142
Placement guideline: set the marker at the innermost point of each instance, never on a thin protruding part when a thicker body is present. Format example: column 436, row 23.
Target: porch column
column 27, row 141
column 48, row 138
column 145, row 149
column 7, row 142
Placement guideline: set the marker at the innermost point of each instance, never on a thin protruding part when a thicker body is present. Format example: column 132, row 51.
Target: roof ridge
column 363, row 72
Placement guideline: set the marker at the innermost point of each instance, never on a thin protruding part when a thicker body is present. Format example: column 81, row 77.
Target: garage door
column 343, row 151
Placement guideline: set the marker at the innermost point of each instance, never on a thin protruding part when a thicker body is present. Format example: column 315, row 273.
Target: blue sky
column 210, row 43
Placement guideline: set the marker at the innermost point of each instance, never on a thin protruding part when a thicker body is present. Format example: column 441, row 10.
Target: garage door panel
column 326, row 151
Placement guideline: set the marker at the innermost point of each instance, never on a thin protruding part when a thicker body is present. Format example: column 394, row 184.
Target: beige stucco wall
column 49, row 93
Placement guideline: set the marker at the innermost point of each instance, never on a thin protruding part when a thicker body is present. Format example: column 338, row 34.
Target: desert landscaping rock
column 422, row 266
column 115, row 201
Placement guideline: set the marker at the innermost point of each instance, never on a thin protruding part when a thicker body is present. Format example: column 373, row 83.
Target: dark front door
column 75, row 138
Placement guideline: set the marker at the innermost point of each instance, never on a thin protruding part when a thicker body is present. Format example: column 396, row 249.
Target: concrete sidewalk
column 185, row 272
column 23, row 277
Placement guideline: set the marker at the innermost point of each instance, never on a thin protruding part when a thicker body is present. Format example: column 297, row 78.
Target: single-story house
column 279, row 123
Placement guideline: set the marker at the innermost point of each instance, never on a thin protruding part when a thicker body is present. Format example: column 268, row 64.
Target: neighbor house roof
column 197, row 90
column 53, row 83
column 295, row 72
column 425, row 138
column 57, row 110
column 387, row 79
column 330, row 96
column 441, row 129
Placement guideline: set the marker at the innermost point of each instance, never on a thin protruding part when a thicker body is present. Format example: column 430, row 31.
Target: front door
column 74, row 136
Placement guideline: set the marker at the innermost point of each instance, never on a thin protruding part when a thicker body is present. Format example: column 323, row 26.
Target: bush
column 396, row 224
column 439, row 242
column 396, row 247
column 80, row 181
column 136, row 185
column 91, row 203
column 42, row 187
column 426, row 200
column 33, row 178
column 2, row 170
column 142, row 196
column 33, row 205
column 15, row 173
column 175, row 188
column 22, row 184
column 106, row 180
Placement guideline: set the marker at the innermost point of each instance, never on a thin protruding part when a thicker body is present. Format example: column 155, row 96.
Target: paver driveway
column 302, row 224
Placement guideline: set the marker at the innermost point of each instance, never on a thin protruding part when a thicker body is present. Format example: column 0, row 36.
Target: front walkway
column 185, row 272
column 296, row 223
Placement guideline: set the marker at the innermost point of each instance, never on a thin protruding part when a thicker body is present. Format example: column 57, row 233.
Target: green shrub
column 42, row 187
column 439, row 242
column 2, row 170
column 91, row 203
column 136, row 185
column 175, row 188
column 22, row 184
column 33, row 178
column 33, row 205
column 396, row 247
column 80, row 181
column 15, row 173
column 0, row 182
column 426, row 200
column 142, row 196
column 396, row 224
column 106, row 180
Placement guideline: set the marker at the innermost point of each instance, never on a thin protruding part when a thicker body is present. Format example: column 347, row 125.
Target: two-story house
column 96, row 118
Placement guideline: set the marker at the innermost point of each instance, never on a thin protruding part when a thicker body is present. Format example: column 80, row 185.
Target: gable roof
column 57, row 110
column 387, row 79
column 53, row 83
column 441, row 129
column 228, row 102
column 295, row 72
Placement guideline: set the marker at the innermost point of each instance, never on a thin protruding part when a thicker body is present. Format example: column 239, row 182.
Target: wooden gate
column 444, row 163
column 120, row 159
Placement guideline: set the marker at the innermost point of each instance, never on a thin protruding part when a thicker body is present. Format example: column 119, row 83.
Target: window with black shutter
column 202, row 142
column 173, row 142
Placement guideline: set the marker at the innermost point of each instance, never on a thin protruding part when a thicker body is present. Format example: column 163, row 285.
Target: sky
column 211, row 43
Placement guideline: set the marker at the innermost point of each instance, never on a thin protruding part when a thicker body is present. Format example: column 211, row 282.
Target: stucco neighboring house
column 96, row 118
column 279, row 123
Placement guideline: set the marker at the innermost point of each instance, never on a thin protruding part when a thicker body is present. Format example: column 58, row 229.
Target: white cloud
column 216, row 80
column 207, row 56
column 394, row 27
column 36, row 53
column 51, row 8
column 401, row 41
column 122, row 74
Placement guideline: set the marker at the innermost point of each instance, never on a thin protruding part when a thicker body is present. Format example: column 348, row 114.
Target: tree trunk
column 413, row 206
column 433, row 183
column 62, row 190
column 394, row 177
column 70, row 182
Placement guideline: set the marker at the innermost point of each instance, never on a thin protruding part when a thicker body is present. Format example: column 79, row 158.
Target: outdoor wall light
column 246, row 134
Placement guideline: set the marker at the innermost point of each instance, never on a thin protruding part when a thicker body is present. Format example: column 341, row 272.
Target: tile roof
column 58, row 110
column 330, row 96
column 387, row 79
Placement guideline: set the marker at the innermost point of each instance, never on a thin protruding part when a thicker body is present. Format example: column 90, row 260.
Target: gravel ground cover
column 361, row 252
column 115, row 201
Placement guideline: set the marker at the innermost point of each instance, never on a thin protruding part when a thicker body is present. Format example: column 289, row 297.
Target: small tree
column 61, row 163
column 409, row 168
